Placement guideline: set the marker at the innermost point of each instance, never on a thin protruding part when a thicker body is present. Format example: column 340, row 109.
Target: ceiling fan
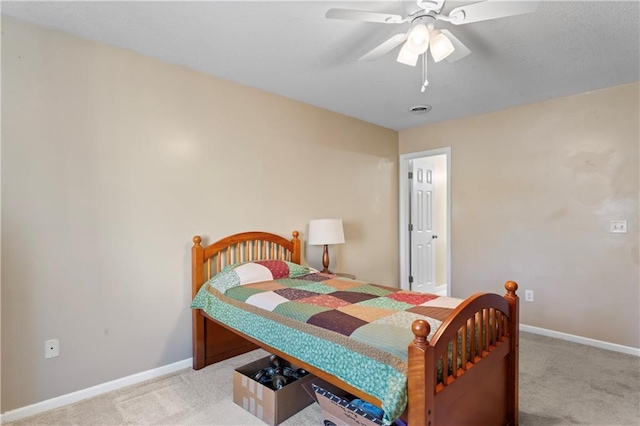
column 422, row 34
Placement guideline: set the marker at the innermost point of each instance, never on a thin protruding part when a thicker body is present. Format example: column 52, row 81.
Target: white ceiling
column 290, row 48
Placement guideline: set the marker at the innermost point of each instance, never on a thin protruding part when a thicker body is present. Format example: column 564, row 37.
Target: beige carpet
column 561, row 383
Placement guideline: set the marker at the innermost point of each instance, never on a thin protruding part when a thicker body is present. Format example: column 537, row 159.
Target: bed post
column 295, row 250
column 197, row 279
column 514, row 343
column 420, row 382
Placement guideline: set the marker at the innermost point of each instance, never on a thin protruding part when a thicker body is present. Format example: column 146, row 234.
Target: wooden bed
column 483, row 391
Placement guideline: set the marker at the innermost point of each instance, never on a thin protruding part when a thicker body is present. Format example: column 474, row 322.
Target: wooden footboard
column 468, row 373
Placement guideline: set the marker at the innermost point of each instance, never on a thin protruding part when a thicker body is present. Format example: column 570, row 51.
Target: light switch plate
column 618, row 226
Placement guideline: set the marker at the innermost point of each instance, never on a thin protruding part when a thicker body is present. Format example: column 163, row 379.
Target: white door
column 421, row 230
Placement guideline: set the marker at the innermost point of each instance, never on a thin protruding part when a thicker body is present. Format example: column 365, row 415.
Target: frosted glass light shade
column 418, row 39
column 407, row 57
column 325, row 231
column 440, row 45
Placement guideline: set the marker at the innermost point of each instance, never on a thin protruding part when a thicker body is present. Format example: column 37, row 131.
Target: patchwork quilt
column 355, row 330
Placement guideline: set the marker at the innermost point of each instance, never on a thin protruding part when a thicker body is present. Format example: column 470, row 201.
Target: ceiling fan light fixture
column 440, row 45
column 407, row 57
column 418, row 39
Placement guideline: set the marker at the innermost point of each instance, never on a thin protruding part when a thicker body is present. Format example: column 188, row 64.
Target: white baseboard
column 70, row 398
column 579, row 339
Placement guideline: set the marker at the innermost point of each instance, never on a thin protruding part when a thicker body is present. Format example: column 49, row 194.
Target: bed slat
column 472, row 355
column 486, row 314
column 464, row 346
column 493, row 326
column 445, row 368
column 479, row 335
column 454, row 358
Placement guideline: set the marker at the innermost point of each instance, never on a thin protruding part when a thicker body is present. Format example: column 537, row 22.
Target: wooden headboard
column 243, row 247
column 212, row 342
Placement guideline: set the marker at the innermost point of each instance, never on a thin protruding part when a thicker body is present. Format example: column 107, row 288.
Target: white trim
column 133, row 379
column 579, row 339
column 404, row 189
column 70, row 398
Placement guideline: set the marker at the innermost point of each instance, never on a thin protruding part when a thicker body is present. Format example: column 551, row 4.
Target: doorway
column 425, row 221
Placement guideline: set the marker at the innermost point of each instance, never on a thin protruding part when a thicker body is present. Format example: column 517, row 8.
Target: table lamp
column 325, row 232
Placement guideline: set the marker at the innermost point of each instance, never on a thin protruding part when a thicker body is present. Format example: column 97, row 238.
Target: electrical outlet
column 51, row 348
column 618, row 226
column 528, row 295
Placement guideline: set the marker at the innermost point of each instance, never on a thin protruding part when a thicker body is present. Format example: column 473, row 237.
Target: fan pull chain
column 424, row 72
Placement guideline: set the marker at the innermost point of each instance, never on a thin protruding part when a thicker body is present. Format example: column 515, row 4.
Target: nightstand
column 344, row 275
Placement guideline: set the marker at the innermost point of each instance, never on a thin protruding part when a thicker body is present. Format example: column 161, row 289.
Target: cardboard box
column 270, row 406
column 335, row 406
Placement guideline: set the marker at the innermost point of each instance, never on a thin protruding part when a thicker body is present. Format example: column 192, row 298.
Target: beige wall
column 533, row 190
column 112, row 161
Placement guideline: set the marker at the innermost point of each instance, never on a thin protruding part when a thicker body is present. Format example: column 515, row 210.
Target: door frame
column 404, row 213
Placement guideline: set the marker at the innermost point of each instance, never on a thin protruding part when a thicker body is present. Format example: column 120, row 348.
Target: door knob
column 434, row 236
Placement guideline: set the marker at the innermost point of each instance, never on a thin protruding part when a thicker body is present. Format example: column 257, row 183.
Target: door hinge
column 410, row 175
column 410, row 279
column 410, row 227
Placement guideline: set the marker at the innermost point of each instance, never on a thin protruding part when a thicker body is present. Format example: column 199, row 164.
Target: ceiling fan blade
column 490, row 9
column 362, row 15
column 461, row 51
column 384, row 48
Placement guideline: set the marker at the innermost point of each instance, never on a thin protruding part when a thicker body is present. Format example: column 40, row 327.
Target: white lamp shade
column 440, row 45
column 418, row 39
column 407, row 57
column 325, row 231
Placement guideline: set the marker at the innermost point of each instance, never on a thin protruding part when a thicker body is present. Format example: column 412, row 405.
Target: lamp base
column 325, row 260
